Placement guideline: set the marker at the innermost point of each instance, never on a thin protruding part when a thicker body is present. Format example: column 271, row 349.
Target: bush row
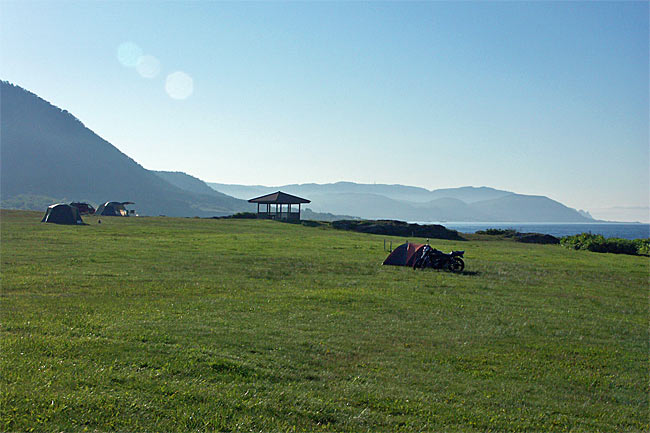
column 601, row 244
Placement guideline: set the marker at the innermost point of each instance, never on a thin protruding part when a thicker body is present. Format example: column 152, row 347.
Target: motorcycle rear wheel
column 456, row 265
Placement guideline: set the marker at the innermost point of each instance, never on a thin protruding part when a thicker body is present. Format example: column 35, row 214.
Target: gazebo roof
column 279, row 198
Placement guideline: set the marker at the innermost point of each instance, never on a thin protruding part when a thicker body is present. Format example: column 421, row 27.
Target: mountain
column 410, row 203
column 529, row 208
column 48, row 154
column 196, row 186
column 187, row 182
column 585, row 214
column 364, row 205
column 308, row 214
column 452, row 209
column 469, row 194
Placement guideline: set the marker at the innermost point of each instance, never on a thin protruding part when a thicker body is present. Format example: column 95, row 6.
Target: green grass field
column 162, row 324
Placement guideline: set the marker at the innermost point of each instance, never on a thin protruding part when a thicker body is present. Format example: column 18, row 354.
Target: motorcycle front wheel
column 421, row 263
column 456, row 265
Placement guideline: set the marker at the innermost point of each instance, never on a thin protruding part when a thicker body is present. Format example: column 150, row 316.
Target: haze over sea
column 609, row 230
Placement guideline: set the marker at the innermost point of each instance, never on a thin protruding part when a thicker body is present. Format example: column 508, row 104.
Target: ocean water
column 609, row 230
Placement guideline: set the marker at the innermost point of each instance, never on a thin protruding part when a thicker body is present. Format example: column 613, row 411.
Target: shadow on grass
column 470, row 273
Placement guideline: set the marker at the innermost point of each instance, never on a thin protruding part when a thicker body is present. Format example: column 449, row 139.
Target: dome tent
column 84, row 208
column 404, row 255
column 62, row 214
column 113, row 208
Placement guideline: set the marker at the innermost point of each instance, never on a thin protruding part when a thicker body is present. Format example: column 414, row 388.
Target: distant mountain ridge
column 48, row 154
column 380, row 201
column 397, row 192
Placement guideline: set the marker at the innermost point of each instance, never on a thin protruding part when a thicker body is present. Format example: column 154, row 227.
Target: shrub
column 642, row 246
column 600, row 244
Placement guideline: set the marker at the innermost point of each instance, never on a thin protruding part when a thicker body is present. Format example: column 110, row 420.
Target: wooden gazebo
column 279, row 206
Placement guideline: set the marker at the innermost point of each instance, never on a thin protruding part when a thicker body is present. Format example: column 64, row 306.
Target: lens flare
column 128, row 54
column 148, row 66
column 179, row 85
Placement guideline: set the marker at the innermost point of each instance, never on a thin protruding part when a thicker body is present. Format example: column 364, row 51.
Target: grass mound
column 527, row 238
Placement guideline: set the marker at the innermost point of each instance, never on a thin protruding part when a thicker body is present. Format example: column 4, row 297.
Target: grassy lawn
column 164, row 324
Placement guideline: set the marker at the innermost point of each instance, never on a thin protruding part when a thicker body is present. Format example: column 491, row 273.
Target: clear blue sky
column 537, row 98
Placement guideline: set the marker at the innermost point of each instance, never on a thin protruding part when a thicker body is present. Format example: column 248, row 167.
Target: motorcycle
column 433, row 258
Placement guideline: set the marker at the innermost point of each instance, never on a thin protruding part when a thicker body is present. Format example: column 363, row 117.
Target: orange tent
column 404, row 255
